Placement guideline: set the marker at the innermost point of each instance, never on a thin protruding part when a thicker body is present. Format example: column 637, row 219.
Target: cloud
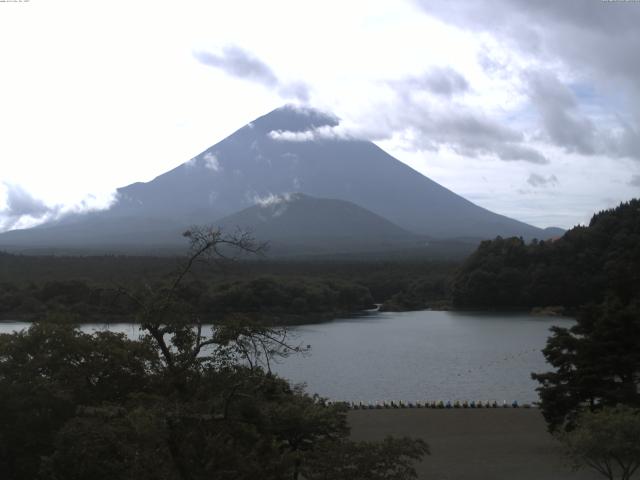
column 427, row 113
column 626, row 141
column 298, row 90
column 525, row 21
column 443, row 81
column 567, row 127
column 421, row 126
column 592, row 42
column 325, row 132
column 289, row 136
column 21, row 208
column 272, row 199
column 211, row 162
column 635, row 181
column 514, row 152
column 466, row 131
column 561, row 117
column 536, row 180
column 20, row 202
column 473, row 135
column 207, row 160
column 471, row 129
column 237, row 62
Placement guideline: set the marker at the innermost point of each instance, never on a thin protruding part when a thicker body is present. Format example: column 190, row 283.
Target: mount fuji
column 340, row 181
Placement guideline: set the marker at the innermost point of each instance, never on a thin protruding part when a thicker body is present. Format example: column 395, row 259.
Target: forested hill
column 583, row 266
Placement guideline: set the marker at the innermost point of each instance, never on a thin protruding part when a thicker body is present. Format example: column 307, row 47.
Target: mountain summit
column 280, row 153
column 293, row 118
column 291, row 149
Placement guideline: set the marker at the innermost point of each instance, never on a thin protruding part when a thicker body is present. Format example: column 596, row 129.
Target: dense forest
column 91, row 288
column 585, row 265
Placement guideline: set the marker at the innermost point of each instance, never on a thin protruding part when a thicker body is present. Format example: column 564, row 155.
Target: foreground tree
column 596, row 361
column 390, row 459
column 607, row 441
column 184, row 402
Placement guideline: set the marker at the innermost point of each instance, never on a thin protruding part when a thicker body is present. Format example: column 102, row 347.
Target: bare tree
column 177, row 328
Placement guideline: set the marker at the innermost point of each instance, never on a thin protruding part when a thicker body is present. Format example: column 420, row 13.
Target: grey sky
column 536, row 180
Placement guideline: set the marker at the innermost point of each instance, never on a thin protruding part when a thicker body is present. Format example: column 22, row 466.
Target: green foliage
column 596, row 362
column 270, row 295
column 425, row 292
column 106, row 443
column 265, row 296
column 90, row 288
column 391, row 459
column 607, row 441
column 583, row 266
column 49, row 370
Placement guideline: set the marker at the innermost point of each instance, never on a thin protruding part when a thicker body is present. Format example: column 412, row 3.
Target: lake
column 413, row 356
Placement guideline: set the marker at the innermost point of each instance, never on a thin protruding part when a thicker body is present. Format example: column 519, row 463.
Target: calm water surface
column 425, row 355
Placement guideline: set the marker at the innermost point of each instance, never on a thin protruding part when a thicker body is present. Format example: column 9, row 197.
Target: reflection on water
column 411, row 356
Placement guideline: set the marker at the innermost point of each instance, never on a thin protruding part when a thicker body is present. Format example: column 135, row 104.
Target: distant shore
column 474, row 444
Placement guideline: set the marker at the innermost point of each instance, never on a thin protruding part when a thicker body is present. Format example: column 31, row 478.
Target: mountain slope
column 277, row 154
column 319, row 223
column 99, row 232
column 284, row 151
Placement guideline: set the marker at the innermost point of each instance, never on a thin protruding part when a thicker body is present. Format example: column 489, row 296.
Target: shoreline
column 293, row 319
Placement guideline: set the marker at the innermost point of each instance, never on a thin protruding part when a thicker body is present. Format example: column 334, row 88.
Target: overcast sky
column 530, row 108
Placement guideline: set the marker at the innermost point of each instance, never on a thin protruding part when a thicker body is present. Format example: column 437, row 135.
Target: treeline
column 270, row 294
column 279, row 291
column 585, row 265
column 429, row 291
column 36, row 300
column 268, row 297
